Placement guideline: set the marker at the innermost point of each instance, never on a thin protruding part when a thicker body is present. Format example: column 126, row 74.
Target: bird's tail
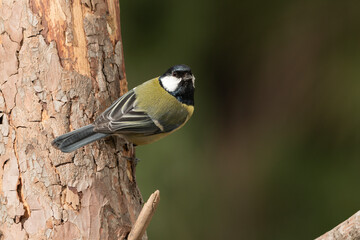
column 76, row 139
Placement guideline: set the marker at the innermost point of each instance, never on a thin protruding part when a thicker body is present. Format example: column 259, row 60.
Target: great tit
column 143, row 115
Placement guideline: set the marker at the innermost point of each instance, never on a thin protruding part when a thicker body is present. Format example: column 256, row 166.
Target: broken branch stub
column 145, row 216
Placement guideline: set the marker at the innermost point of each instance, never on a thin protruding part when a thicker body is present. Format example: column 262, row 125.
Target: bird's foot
column 133, row 159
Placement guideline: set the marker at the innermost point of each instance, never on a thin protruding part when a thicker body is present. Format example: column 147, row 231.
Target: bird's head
column 178, row 76
column 179, row 82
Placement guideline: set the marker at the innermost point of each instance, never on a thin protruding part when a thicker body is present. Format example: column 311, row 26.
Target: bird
column 145, row 114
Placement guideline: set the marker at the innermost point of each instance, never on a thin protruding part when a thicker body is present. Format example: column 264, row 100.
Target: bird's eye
column 175, row 74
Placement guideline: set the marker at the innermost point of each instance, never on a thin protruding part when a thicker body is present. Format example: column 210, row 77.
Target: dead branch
column 349, row 229
column 145, row 216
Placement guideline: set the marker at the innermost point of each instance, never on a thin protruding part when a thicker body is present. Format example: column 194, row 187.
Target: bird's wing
column 122, row 117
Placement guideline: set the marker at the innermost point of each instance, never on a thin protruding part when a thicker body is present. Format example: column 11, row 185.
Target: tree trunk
column 61, row 64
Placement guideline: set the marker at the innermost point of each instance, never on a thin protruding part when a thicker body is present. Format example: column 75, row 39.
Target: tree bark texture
column 61, row 64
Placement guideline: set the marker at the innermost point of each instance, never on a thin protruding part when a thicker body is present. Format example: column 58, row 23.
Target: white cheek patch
column 170, row 83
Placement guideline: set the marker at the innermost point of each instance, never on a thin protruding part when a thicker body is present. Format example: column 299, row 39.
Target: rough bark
column 61, row 64
column 347, row 230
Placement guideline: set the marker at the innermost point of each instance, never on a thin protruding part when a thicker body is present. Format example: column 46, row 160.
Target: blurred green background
column 273, row 149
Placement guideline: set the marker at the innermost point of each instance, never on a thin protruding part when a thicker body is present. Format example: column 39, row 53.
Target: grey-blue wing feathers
column 76, row 139
column 123, row 117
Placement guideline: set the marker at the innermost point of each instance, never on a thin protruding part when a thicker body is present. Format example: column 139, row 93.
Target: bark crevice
column 52, row 83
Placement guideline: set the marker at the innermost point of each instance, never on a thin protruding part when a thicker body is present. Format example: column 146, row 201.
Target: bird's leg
column 128, row 153
column 130, row 148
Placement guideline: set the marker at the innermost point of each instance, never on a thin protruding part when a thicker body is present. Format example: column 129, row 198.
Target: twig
column 145, row 216
column 347, row 230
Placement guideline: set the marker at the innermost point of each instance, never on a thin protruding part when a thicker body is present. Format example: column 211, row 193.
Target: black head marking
column 185, row 90
column 178, row 69
column 185, row 93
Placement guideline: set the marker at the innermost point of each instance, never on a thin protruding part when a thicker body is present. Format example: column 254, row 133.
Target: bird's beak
column 188, row 77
